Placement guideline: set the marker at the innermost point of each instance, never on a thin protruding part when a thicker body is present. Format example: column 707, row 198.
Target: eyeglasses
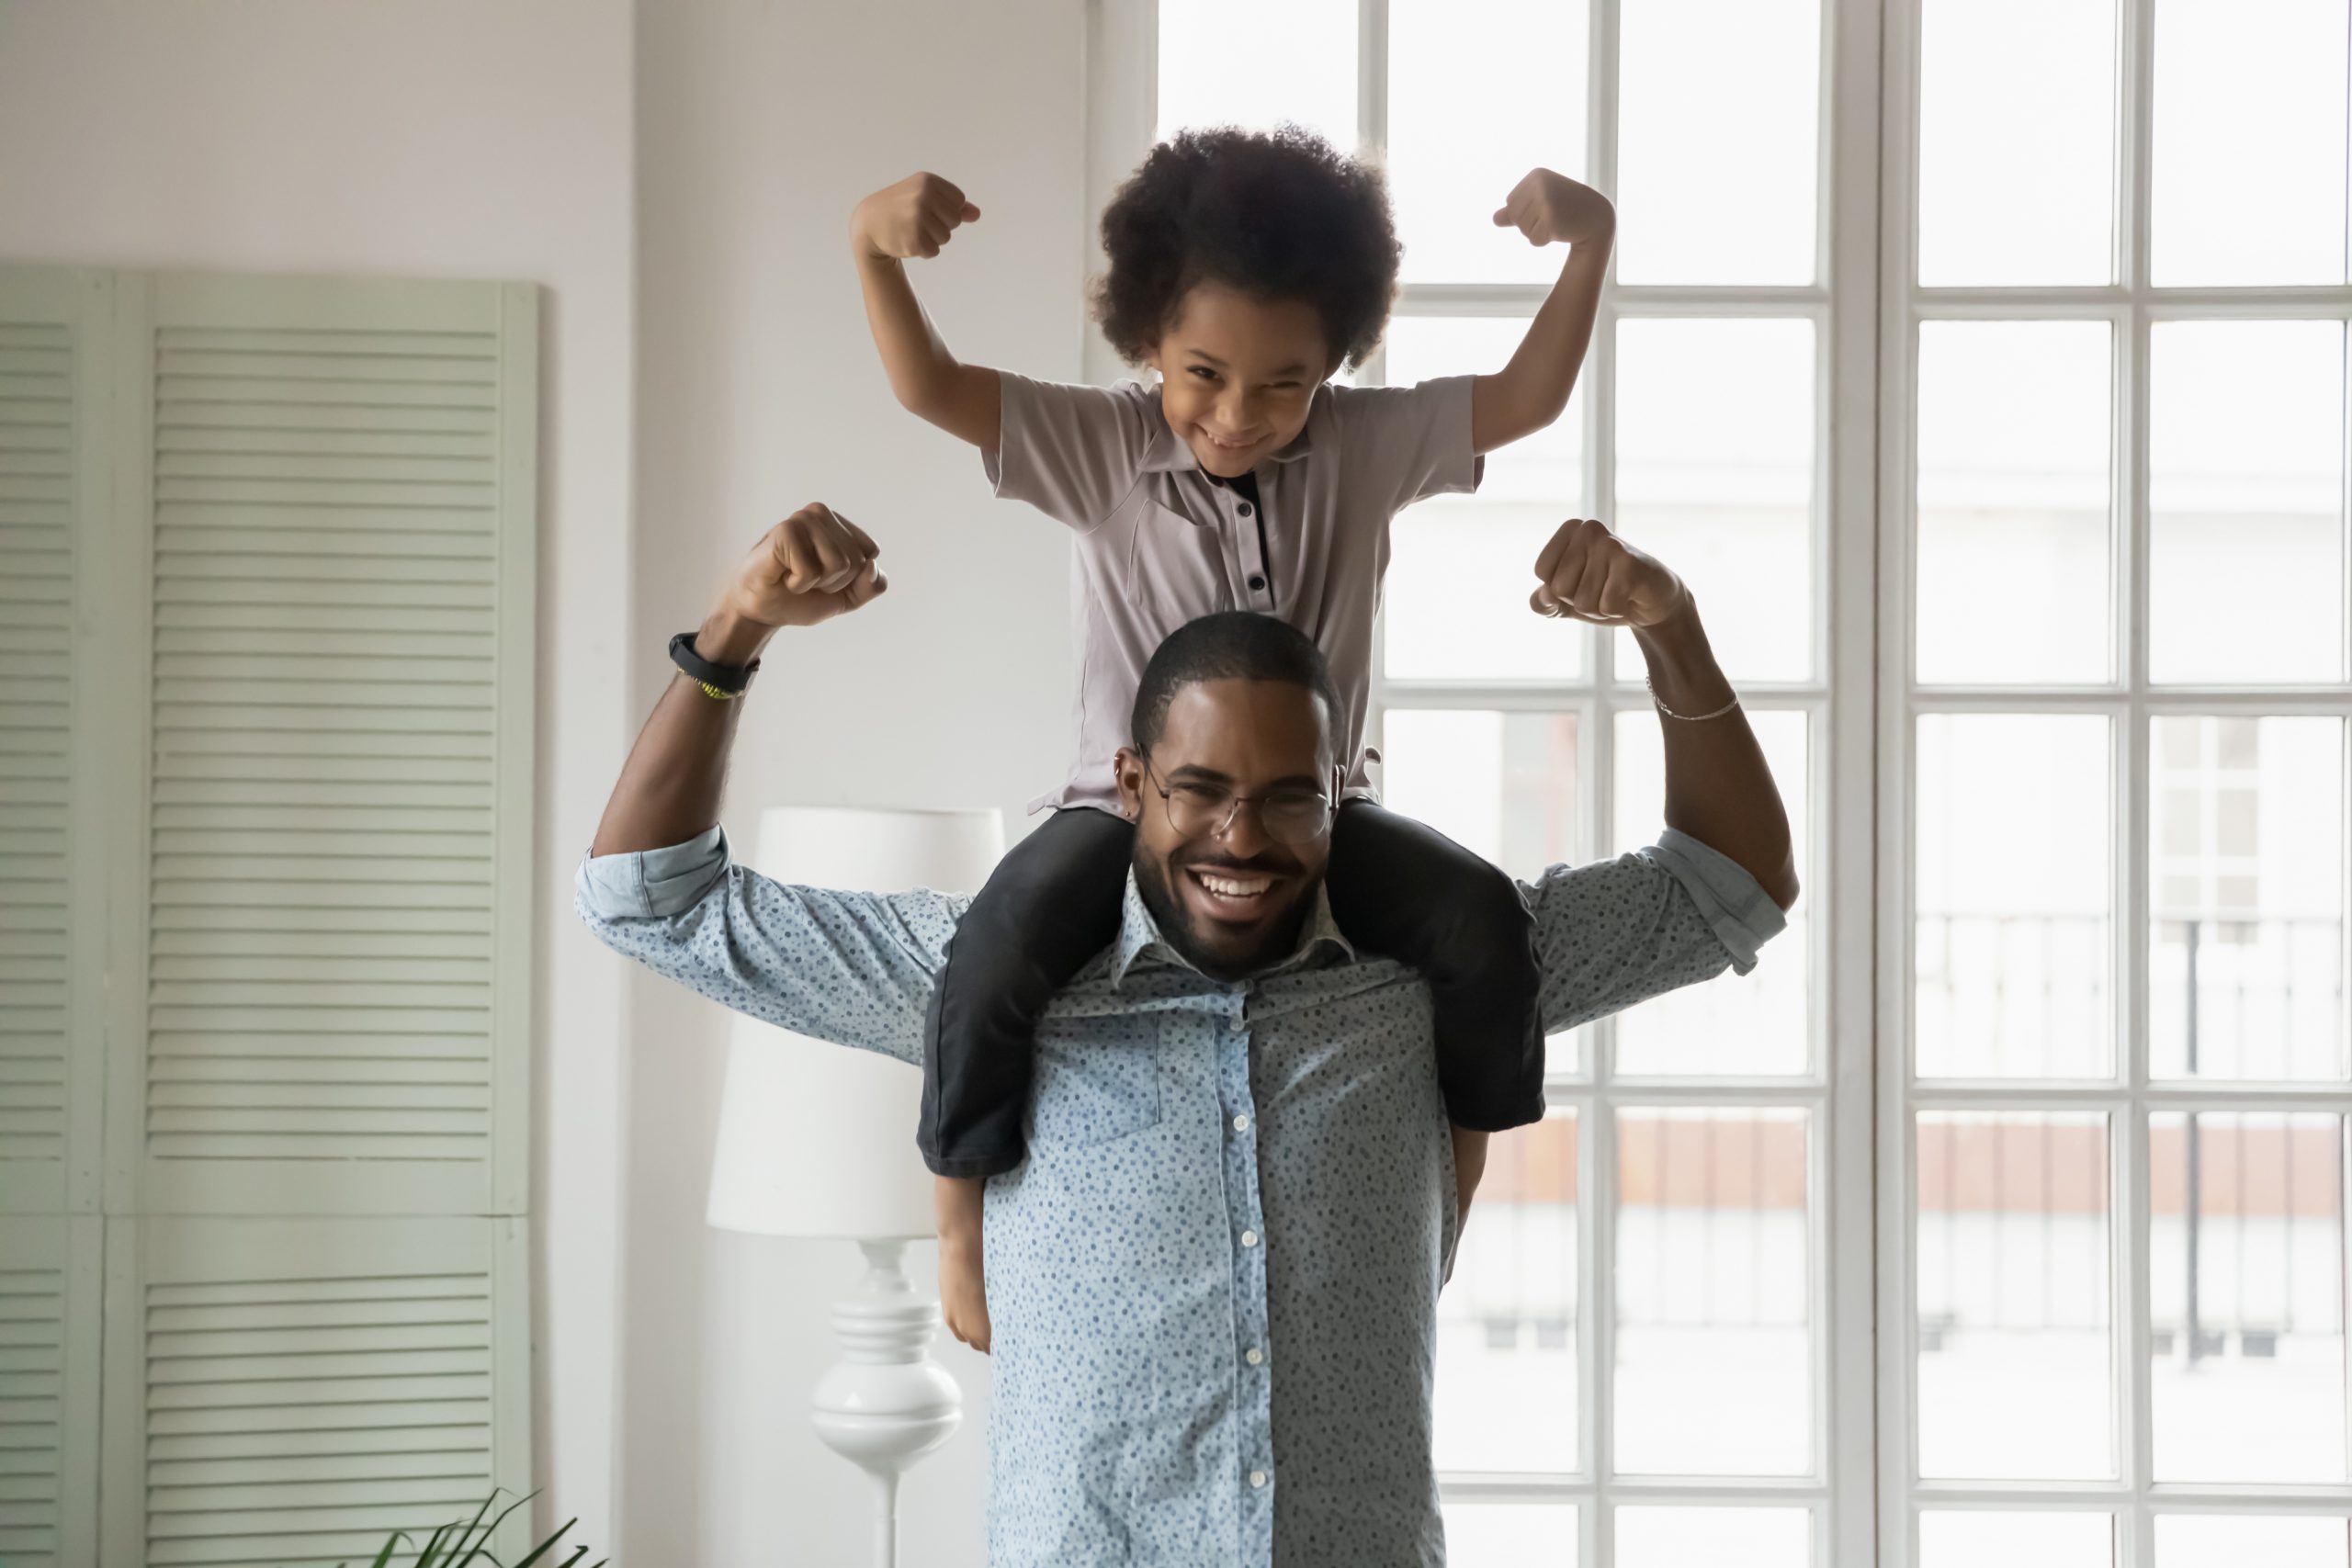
column 1290, row 815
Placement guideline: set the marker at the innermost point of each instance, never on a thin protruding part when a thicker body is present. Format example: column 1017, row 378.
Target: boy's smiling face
column 1238, row 374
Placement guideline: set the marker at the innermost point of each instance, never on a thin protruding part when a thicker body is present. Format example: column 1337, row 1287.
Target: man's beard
column 1175, row 920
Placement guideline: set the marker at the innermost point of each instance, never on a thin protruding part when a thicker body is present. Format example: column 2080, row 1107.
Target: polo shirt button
column 1257, row 584
column 1249, row 1239
column 1242, row 1124
column 1257, row 1478
column 1253, row 1355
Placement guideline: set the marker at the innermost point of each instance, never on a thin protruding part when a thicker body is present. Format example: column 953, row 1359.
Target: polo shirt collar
column 1168, row 454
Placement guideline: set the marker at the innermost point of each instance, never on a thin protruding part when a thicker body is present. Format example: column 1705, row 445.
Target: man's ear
column 1127, row 768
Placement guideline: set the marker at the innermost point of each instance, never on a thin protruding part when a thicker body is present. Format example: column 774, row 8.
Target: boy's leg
column 1052, row 904
column 1407, row 891
column 962, row 1292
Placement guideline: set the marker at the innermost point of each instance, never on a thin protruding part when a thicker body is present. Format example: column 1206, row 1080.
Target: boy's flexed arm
column 914, row 218
column 1530, row 391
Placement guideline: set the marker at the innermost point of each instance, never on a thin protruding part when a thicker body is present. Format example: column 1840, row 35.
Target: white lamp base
column 887, row 1403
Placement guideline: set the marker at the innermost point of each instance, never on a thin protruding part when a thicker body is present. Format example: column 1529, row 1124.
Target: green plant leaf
column 548, row 1545
column 433, row 1555
column 465, row 1530
column 481, row 1548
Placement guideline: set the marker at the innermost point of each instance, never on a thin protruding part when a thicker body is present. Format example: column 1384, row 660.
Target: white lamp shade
column 817, row 1139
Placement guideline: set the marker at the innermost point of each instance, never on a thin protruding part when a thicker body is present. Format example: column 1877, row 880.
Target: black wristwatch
column 721, row 681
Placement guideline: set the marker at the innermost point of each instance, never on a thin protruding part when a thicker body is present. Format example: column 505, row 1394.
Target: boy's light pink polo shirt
column 1160, row 544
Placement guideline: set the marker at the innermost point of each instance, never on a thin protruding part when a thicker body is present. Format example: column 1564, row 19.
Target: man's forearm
column 1718, row 788
column 669, row 789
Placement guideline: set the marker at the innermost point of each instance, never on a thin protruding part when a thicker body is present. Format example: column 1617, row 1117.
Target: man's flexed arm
column 1718, row 788
column 914, row 218
column 809, row 568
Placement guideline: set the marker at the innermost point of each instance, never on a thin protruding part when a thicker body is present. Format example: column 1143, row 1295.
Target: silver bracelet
column 1688, row 718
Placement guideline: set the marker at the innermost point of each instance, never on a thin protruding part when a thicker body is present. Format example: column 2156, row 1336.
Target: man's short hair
column 1234, row 645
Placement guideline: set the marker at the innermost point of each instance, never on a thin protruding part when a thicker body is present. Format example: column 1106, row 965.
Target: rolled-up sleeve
column 1665, row 916
column 853, row 968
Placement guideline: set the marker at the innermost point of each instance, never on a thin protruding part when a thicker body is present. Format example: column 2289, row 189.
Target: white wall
column 760, row 126
column 681, row 183
column 419, row 138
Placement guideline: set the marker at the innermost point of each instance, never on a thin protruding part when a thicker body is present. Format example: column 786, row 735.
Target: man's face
column 1238, row 374
column 1232, row 902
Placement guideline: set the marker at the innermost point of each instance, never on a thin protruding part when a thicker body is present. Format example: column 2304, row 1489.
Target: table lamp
column 817, row 1140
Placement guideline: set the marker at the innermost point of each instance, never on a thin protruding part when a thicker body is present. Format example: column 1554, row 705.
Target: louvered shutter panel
column 53, row 363
column 317, row 1302
column 54, row 485
column 49, row 1390
column 293, row 1390
column 337, row 930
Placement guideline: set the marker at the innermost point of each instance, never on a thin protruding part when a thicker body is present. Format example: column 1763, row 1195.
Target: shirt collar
column 1168, row 454
column 1139, row 937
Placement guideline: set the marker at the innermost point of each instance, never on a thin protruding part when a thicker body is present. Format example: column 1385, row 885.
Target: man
column 1213, row 1281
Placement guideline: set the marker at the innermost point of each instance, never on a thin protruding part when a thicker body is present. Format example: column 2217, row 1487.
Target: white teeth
column 1228, row 887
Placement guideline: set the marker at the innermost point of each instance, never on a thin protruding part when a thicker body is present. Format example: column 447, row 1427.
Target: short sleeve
column 1072, row 451
column 1409, row 443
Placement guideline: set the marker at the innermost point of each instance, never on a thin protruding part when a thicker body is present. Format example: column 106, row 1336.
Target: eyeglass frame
column 1233, row 808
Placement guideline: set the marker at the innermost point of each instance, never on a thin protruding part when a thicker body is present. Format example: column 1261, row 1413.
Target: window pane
column 2249, row 141
column 2013, row 896
column 1678, row 1537
column 1713, row 1238
column 1703, row 203
column 2240, row 1541
column 1971, row 1540
column 1510, row 1535
column 2013, row 1296
column 2245, row 940
column 1735, row 1025
column 2012, row 572
column 1502, row 784
column 2245, row 502
column 1241, row 62
column 2245, row 1303
column 1462, row 566
column 1507, row 1322
column 1715, row 477
column 2017, row 146
column 1467, row 120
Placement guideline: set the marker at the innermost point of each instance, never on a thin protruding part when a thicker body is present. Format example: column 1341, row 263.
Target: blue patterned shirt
column 1212, row 1284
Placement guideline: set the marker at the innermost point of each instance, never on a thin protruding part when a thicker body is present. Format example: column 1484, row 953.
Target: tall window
column 2113, row 966
column 1982, row 365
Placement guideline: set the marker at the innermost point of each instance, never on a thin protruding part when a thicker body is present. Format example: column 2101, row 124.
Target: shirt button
column 1257, row 584
column 1249, row 1239
column 1253, row 1355
column 1257, row 1478
column 1243, row 509
column 1242, row 1124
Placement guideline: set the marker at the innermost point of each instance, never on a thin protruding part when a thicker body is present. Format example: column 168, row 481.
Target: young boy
column 1245, row 270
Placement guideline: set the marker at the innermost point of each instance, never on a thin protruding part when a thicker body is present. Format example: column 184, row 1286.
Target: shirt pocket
column 1093, row 1093
column 1176, row 568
